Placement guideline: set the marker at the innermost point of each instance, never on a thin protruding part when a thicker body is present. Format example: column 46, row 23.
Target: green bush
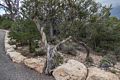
column 117, row 53
column 108, row 60
column 25, row 33
column 39, row 52
column 6, row 23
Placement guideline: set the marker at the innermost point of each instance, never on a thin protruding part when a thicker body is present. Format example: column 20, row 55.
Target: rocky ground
column 77, row 71
column 13, row 71
column 79, row 57
column 74, row 70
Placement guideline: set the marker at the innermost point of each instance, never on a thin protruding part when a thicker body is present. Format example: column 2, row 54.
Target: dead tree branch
column 4, row 6
column 86, row 47
column 63, row 41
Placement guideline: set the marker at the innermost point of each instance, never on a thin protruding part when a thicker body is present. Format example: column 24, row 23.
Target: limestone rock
column 7, row 46
column 16, row 57
column 72, row 70
column 10, row 50
column 37, row 64
column 98, row 74
column 117, row 65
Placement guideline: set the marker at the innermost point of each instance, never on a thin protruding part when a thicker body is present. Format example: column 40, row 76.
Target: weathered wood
column 63, row 41
column 54, row 58
column 88, row 59
column 87, row 49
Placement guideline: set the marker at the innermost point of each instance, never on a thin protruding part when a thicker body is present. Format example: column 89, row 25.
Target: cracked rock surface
column 13, row 71
column 74, row 70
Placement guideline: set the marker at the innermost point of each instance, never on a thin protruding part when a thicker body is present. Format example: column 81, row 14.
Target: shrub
column 6, row 24
column 108, row 60
column 117, row 53
column 25, row 33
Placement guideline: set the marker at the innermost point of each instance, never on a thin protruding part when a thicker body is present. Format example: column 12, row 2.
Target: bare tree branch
column 4, row 6
column 63, row 41
column 86, row 47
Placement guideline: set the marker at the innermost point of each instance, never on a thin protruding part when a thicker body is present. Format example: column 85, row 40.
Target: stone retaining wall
column 33, row 63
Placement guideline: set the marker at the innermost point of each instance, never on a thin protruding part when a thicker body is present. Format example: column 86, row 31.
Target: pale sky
column 114, row 3
column 1, row 11
column 115, row 6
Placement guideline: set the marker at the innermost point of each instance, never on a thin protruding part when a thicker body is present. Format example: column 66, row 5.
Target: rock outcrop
column 98, row 74
column 72, row 70
column 37, row 64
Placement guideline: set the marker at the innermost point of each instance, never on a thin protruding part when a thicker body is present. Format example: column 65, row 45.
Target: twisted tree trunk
column 54, row 58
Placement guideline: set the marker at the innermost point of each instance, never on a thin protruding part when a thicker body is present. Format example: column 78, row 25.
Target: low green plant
column 108, row 60
column 117, row 53
column 6, row 23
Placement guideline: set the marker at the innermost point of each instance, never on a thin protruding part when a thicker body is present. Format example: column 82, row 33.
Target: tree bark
column 54, row 58
column 51, row 32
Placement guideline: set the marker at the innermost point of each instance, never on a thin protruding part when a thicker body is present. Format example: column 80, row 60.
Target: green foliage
column 58, row 60
column 39, row 52
column 5, row 23
column 84, row 20
column 25, row 32
column 108, row 60
column 94, row 29
column 117, row 53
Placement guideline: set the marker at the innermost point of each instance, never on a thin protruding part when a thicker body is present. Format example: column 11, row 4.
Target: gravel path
column 12, row 71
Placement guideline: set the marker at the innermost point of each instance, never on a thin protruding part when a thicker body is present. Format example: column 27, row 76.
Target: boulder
column 117, row 65
column 72, row 70
column 36, row 64
column 16, row 57
column 7, row 46
column 13, row 46
column 98, row 74
column 10, row 50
